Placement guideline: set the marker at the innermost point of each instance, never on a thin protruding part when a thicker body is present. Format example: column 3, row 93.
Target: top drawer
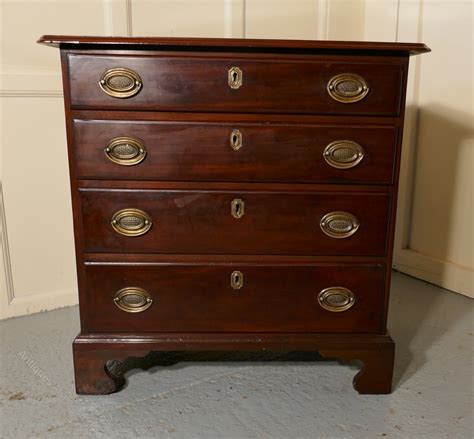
column 237, row 84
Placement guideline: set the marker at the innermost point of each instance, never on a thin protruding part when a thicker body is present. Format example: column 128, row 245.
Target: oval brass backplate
column 336, row 299
column 235, row 77
column 347, row 88
column 237, row 280
column 133, row 299
column 120, row 83
column 125, row 151
column 237, row 208
column 236, row 140
column 343, row 154
column 131, row 222
column 339, row 224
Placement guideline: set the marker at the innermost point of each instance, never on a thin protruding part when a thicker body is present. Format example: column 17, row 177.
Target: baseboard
column 446, row 274
column 35, row 303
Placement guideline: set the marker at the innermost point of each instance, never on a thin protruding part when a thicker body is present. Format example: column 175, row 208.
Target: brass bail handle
column 133, row 299
column 131, row 222
column 339, row 224
column 336, row 299
column 348, row 88
column 120, row 83
column 125, row 151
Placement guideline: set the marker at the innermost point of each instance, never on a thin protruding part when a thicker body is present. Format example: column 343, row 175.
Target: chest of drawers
column 233, row 195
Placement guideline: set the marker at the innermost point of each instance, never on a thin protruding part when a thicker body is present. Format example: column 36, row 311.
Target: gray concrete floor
column 263, row 397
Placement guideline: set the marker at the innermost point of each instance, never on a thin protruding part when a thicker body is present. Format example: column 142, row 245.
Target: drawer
column 232, row 151
column 206, row 298
column 335, row 85
column 231, row 222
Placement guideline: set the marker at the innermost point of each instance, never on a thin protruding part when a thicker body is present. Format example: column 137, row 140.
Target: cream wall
column 37, row 258
column 434, row 239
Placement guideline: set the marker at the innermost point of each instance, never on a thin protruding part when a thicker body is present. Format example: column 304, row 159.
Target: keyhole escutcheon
column 237, row 208
column 236, row 140
column 237, row 280
column 235, row 77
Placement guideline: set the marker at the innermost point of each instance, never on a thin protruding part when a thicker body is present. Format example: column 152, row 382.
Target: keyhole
column 237, row 280
column 234, row 77
column 236, row 140
column 237, row 208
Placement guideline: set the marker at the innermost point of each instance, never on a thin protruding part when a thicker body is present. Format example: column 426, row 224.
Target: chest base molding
column 93, row 352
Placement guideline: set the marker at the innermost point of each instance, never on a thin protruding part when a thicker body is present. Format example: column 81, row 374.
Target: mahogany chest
column 233, row 195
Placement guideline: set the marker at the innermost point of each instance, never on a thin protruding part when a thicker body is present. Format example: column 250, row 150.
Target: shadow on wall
column 441, row 213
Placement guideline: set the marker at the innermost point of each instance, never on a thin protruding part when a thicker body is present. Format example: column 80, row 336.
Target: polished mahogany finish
column 202, row 151
column 200, row 298
column 278, row 85
column 233, row 195
column 272, row 223
column 235, row 44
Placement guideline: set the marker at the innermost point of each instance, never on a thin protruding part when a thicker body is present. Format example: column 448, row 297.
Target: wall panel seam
column 129, row 17
column 323, row 19
column 228, row 18
column 6, row 250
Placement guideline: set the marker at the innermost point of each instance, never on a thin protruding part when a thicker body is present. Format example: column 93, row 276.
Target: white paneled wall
column 175, row 18
column 37, row 269
column 281, row 19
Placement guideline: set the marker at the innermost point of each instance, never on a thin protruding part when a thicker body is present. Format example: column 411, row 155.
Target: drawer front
column 229, row 222
column 123, row 149
column 205, row 298
column 192, row 83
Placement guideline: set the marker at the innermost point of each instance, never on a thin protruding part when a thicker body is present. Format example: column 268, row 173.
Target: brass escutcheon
column 131, row 222
column 336, row 299
column 125, row 151
column 347, row 88
column 237, row 280
column 120, row 83
column 235, row 77
column 237, row 208
column 133, row 299
column 236, row 140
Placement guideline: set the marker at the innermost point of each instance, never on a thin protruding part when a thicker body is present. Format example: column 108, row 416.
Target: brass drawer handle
column 236, row 140
column 237, row 280
column 347, row 88
column 235, row 78
column 120, row 83
column 125, row 151
column 133, row 299
column 343, row 154
column 131, row 222
column 339, row 224
column 336, row 299
column 237, row 208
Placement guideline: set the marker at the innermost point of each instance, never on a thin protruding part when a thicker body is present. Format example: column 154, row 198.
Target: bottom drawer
column 232, row 297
